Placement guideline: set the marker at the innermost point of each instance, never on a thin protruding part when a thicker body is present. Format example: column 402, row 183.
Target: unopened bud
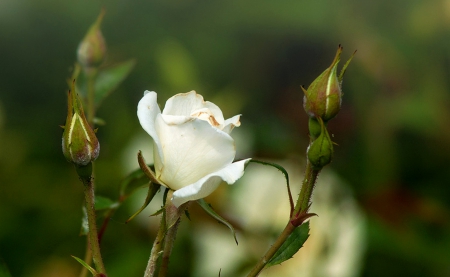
column 79, row 143
column 323, row 97
column 320, row 151
column 315, row 128
column 92, row 48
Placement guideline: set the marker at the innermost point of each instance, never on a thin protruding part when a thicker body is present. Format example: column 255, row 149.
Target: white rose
column 193, row 149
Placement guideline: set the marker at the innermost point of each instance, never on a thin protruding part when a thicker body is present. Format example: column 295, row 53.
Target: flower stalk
column 167, row 232
column 152, row 266
column 94, row 244
column 299, row 215
column 322, row 102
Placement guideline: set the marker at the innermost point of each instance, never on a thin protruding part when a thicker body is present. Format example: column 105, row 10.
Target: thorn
column 301, row 218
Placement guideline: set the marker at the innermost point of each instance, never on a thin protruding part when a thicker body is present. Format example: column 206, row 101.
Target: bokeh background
column 248, row 57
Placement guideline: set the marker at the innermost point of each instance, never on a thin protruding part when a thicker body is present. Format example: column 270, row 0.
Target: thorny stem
column 309, row 181
column 297, row 218
column 272, row 250
column 165, row 239
column 173, row 219
column 168, row 245
column 152, row 265
column 89, row 195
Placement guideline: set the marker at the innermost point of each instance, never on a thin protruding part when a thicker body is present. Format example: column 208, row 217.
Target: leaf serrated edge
column 277, row 259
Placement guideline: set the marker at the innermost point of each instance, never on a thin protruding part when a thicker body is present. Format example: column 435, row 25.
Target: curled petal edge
column 148, row 111
column 230, row 123
column 206, row 185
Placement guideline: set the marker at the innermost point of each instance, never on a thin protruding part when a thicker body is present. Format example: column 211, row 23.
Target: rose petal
column 175, row 119
column 147, row 112
column 186, row 104
column 230, row 123
column 191, row 151
column 206, row 185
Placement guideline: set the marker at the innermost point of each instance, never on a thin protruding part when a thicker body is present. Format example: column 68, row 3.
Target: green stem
column 168, row 246
column 151, row 270
column 301, row 206
column 272, row 250
column 304, row 199
column 173, row 219
column 89, row 195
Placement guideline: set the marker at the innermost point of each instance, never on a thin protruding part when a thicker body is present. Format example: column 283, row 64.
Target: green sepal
column 344, row 68
column 88, row 267
column 209, row 210
column 291, row 246
column 148, row 171
column 188, row 215
column 162, row 210
column 133, row 181
column 166, row 191
column 152, row 190
column 158, row 212
column 286, row 176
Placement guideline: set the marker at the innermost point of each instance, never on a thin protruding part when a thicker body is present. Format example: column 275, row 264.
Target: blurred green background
column 248, row 57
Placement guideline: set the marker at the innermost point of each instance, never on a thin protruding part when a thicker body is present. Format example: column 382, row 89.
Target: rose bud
column 79, row 143
column 320, row 151
column 92, row 48
column 323, row 97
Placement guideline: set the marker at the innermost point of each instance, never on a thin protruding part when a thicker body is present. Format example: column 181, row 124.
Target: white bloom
column 193, row 149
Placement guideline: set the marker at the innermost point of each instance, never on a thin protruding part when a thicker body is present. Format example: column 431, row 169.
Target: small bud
column 320, row 151
column 323, row 97
column 92, row 48
column 315, row 128
column 79, row 143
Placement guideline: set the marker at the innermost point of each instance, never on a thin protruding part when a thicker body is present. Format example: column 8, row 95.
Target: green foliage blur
column 248, row 57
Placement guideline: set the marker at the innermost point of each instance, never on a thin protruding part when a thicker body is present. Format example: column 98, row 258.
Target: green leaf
column 208, row 209
column 88, row 267
column 4, row 272
column 103, row 203
column 291, row 246
column 152, row 190
column 286, row 176
column 108, row 79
